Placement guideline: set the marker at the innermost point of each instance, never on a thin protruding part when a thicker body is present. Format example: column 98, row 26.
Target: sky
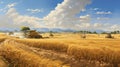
column 64, row 14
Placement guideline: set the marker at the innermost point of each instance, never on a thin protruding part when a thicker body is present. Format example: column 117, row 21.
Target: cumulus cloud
column 105, row 26
column 22, row 20
column 65, row 13
column 95, row 9
column 101, row 26
column 35, row 10
column 83, row 10
column 3, row 10
column 13, row 19
column 97, row 25
column 102, row 12
column 85, row 19
column 11, row 5
column 6, row 22
column 63, row 16
column 83, row 26
column 115, row 27
column 102, row 18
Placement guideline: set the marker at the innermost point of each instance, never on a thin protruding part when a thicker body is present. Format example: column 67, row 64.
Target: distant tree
column 90, row 32
column 104, row 33
column 51, row 34
column 87, row 31
column 25, row 29
column 80, row 32
column 115, row 32
column 84, row 32
column 112, row 32
column 118, row 32
column 11, row 33
column 94, row 32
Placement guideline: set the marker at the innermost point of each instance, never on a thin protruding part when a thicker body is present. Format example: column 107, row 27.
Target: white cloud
column 83, row 10
column 6, row 22
column 35, row 10
column 95, row 9
column 85, row 19
column 82, row 26
column 22, row 20
column 3, row 10
column 11, row 5
column 97, row 25
column 105, row 26
column 14, row 19
column 115, row 27
column 102, row 12
column 64, row 14
column 102, row 18
column 100, row 26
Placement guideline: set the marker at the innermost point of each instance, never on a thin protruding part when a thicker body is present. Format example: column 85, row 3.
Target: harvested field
column 60, row 51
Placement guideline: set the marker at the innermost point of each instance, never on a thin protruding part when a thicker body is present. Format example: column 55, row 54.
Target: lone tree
column 51, row 34
column 25, row 29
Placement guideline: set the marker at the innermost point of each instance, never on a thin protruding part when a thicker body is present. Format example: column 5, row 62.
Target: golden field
column 62, row 50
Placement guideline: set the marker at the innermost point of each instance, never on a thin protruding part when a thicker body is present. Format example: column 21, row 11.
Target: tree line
column 95, row 32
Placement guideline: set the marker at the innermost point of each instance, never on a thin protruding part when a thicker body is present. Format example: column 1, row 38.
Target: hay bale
column 10, row 33
column 33, row 34
column 83, row 36
column 109, row 36
column 38, row 36
column 51, row 35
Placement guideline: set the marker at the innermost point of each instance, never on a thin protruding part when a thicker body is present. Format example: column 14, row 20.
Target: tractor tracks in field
column 49, row 54
column 3, row 61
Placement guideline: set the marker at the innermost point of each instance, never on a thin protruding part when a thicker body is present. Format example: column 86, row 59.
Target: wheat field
column 62, row 50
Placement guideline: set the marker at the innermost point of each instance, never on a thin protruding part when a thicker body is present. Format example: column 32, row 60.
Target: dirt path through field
column 53, row 55
column 3, row 62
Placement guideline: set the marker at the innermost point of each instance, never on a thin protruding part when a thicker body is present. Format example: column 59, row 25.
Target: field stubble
column 69, row 52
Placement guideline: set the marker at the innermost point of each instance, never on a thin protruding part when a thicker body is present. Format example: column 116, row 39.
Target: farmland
column 62, row 50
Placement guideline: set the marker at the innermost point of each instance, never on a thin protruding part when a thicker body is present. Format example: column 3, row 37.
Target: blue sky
column 22, row 5
column 80, row 14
